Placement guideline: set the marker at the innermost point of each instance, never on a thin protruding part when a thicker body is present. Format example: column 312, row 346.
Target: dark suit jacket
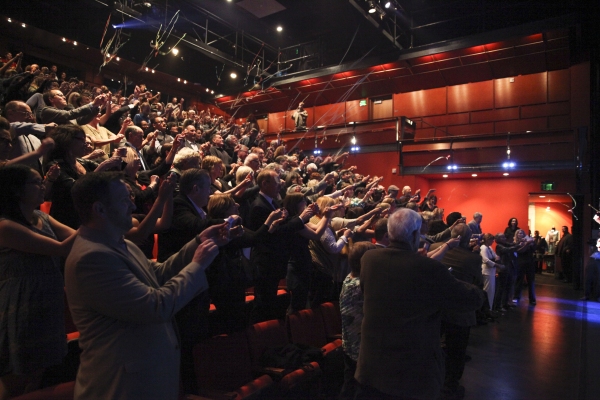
column 466, row 267
column 186, row 224
column 565, row 243
column 404, row 296
column 270, row 256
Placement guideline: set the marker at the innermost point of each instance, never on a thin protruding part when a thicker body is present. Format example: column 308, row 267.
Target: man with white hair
column 404, row 295
column 475, row 225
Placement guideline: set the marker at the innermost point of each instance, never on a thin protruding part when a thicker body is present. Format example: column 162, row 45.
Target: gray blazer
column 123, row 306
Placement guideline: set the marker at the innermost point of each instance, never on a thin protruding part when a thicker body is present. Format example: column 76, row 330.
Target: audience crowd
column 197, row 181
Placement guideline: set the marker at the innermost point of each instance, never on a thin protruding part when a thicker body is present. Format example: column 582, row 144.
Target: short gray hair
column 241, row 173
column 464, row 232
column 183, row 155
column 402, row 224
column 477, row 215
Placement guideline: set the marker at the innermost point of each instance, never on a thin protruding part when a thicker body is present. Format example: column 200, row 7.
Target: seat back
column 332, row 319
column 64, row 391
column 263, row 335
column 306, row 327
column 223, row 362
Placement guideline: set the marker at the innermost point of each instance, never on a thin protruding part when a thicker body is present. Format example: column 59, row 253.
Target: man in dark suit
column 189, row 219
column 122, row 303
column 270, row 256
column 404, row 295
column 565, row 252
column 456, row 325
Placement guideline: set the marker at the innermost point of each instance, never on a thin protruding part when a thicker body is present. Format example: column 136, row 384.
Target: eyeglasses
column 28, row 113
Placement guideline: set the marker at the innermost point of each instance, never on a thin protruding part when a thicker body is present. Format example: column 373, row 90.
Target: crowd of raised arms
column 288, row 215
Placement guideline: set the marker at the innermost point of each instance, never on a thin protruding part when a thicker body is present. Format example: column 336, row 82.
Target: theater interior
column 495, row 105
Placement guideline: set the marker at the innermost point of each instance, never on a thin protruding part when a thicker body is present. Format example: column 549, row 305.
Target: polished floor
column 548, row 351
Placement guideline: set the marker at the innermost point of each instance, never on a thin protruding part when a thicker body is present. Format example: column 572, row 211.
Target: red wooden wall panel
column 471, row 129
column 559, row 122
column 445, row 120
column 471, row 97
column 580, row 95
column 530, row 124
column 526, row 89
column 559, row 85
column 420, row 103
column 354, row 112
column 276, row 120
column 495, row 115
column 543, row 110
column 329, row 114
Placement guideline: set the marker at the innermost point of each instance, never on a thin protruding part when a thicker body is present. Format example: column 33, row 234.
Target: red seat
column 64, row 391
column 271, row 334
column 307, row 327
column 332, row 319
column 223, row 369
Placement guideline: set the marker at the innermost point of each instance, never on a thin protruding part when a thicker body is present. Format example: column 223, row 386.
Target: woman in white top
column 488, row 267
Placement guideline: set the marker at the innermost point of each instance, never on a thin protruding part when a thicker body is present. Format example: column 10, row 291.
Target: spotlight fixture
column 185, row 82
column 317, row 152
column 452, row 167
column 118, row 58
column 64, row 39
column 233, row 75
column 175, row 51
column 9, row 20
column 146, row 68
column 212, row 92
column 152, row 71
column 388, row 4
column 474, row 175
column 75, row 43
column 23, row 25
column 178, row 79
column 508, row 164
column 207, row 90
column 354, row 149
column 506, row 174
column 353, row 140
column 279, row 29
column 445, row 176
column 372, row 8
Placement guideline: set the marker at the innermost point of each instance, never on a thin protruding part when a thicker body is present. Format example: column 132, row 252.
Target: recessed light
column 175, row 51
column 64, row 39
column 23, row 25
column 505, row 174
column 74, row 43
column 118, row 59
column 542, row 197
column 233, row 75
column 178, row 79
column 474, row 175
column 185, row 82
column 9, row 20
column 445, row 176
column 279, row 29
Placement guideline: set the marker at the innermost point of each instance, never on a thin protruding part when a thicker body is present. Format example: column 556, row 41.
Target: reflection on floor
column 548, row 351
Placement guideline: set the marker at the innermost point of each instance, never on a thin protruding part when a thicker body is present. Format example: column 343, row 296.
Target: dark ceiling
column 240, row 36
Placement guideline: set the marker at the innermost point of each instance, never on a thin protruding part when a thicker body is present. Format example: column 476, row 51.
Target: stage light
column 212, row 92
column 508, row 164
column 75, row 43
column 317, row 152
column 279, row 29
column 23, row 25
column 64, row 39
column 506, row 174
column 233, row 75
column 206, row 90
column 185, row 82
column 354, row 149
column 353, row 140
column 175, row 51
column 474, row 175
column 445, row 176
column 388, row 4
column 178, row 79
column 452, row 167
column 118, row 59
column 372, row 8
column 9, row 20
column 152, row 71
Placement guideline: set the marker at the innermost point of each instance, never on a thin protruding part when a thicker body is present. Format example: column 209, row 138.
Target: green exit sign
column 362, row 103
column 547, row 186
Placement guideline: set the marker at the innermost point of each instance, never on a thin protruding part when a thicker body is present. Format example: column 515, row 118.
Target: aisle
column 549, row 351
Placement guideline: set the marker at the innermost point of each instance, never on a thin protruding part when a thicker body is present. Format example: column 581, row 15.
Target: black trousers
column 457, row 339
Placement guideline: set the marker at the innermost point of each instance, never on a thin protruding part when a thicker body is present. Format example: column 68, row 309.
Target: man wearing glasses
column 55, row 110
column 26, row 134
